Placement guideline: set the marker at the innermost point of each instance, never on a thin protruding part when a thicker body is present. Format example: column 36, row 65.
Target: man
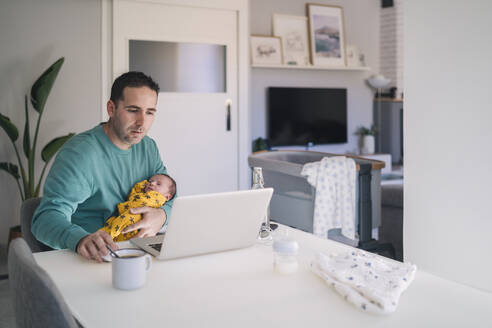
column 95, row 170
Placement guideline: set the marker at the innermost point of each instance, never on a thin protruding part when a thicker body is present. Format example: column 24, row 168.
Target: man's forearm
column 52, row 228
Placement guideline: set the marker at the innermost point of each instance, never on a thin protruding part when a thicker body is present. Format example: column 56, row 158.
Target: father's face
column 132, row 117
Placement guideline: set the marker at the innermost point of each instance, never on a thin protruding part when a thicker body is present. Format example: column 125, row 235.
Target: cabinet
column 388, row 117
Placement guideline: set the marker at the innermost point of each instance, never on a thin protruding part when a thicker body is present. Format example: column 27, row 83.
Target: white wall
column 361, row 28
column 33, row 34
column 448, row 137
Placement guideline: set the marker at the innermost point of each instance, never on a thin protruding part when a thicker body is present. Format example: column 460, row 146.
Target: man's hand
column 152, row 221
column 93, row 246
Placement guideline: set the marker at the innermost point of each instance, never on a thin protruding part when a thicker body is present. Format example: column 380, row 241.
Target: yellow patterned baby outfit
column 138, row 198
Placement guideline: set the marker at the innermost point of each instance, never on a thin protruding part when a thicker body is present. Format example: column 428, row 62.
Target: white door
column 196, row 132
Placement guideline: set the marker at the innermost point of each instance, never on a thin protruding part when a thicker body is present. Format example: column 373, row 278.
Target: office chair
column 27, row 210
column 37, row 301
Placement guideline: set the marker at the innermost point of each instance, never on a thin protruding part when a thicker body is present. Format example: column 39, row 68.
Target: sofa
column 293, row 200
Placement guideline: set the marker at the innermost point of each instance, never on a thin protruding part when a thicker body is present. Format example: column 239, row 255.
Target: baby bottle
column 285, row 255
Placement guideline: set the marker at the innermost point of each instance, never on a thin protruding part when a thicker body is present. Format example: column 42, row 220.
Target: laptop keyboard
column 157, row 247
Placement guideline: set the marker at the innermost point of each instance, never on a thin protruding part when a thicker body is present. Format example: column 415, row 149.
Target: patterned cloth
column 334, row 205
column 370, row 282
column 138, row 198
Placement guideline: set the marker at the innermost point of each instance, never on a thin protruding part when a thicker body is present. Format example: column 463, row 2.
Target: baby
column 153, row 193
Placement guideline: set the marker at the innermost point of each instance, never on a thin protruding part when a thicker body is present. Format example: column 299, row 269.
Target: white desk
column 240, row 289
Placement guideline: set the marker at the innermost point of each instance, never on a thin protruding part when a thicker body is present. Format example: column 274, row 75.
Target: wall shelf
column 334, row 68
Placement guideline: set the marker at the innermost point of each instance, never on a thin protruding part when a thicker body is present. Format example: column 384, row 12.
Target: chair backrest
column 37, row 301
column 27, row 210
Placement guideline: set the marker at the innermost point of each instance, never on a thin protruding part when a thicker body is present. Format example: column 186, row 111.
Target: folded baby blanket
column 370, row 282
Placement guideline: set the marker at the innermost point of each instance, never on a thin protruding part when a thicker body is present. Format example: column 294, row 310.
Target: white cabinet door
column 190, row 128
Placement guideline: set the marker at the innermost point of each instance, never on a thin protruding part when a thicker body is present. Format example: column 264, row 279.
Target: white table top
column 240, row 289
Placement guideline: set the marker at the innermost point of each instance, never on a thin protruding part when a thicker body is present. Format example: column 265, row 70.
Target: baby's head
column 163, row 184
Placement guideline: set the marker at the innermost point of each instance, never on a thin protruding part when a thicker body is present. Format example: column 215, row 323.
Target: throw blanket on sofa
column 370, row 282
column 334, row 204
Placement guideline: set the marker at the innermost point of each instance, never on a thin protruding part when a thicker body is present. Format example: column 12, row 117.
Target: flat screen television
column 298, row 116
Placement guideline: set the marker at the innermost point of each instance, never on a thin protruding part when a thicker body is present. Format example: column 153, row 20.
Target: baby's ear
column 168, row 197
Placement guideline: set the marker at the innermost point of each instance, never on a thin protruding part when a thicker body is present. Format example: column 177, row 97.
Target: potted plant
column 367, row 141
column 260, row 144
column 24, row 172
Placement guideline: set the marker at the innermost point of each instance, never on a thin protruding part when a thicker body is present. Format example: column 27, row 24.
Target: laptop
column 209, row 223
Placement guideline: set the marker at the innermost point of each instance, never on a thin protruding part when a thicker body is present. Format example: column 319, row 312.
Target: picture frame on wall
column 293, row 30
column 266, row 50
column 326, row 35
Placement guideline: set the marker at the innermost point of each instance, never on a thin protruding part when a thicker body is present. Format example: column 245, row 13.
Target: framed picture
column 326, row 35
column 266, row 50
column 293, row 30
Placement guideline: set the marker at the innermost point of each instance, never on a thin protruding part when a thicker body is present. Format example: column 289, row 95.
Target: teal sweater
column 88, row 179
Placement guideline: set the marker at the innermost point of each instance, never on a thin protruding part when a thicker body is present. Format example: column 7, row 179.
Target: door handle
column 228, row 115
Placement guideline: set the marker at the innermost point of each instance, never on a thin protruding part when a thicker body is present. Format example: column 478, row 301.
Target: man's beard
column 125, row 135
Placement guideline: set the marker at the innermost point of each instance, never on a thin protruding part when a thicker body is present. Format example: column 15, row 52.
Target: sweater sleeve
column 161, row 169
column 67, row 185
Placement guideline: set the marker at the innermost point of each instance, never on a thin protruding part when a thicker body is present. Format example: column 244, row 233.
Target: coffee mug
column 130, row 268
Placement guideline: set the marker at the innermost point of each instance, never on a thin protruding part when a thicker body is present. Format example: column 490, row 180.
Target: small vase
column 368, row 145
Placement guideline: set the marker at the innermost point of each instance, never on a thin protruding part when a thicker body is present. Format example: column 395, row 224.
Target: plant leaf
column 27, row 137
column 53, row 146
column 41, row 88
column 10, row 168
column 9, row 128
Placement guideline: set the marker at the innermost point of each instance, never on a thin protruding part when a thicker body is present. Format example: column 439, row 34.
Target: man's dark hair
column 131, row 79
